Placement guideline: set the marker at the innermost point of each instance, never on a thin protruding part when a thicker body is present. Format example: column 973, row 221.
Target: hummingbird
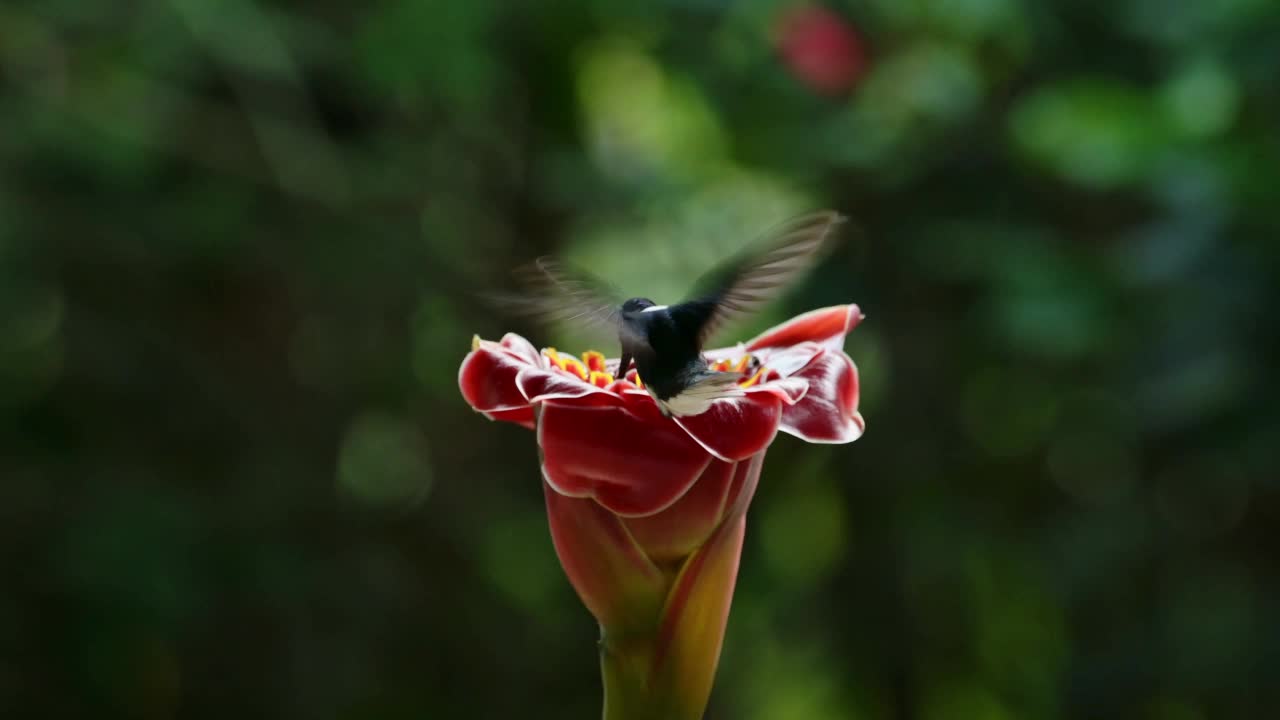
column 665, row 341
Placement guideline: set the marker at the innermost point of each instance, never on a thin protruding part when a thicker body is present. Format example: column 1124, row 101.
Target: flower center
column 591, row 368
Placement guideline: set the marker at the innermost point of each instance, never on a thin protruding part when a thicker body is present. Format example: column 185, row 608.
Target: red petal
column 789, row 360
column 487, row 380
column 745, row 478
column 825, row 326
column 789, row 390
column 520, row 416
column 537, row 384
column 680, row 529
column 735, row 429
column 829, row 412
column 633, row 465
column 641, row 404
column 522, row 348
column 615, row 579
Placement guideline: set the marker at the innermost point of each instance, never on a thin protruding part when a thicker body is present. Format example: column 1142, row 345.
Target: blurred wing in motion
column 743, row 286
column 551, row 291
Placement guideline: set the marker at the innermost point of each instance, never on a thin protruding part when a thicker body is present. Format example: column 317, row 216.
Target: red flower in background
column 821, row 49
column 647, row 512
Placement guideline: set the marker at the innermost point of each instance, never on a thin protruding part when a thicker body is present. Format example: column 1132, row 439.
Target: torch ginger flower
column 647, row 512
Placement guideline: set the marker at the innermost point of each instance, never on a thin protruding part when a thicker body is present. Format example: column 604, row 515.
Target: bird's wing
column 743, row 286
column 552, row 291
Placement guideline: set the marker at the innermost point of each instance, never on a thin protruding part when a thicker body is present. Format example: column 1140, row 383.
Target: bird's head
column 635, row 305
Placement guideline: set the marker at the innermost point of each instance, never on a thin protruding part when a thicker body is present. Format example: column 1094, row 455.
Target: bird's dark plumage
column 666, row 341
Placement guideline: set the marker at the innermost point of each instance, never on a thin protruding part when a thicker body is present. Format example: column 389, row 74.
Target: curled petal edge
column 521, row 347
column 476, row 380
column 537, row 384
column 829, row 413
column 826, row 326
column 735, row 429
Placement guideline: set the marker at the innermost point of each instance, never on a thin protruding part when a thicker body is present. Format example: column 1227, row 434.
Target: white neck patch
column 654, row 308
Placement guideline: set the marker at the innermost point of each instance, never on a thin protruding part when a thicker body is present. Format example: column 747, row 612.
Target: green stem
column 630, row 690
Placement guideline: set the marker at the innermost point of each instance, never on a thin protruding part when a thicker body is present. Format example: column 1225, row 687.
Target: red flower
column 821, row 48
column 647, row 512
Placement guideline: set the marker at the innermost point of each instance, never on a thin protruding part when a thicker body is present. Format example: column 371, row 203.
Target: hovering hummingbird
column 666, row 341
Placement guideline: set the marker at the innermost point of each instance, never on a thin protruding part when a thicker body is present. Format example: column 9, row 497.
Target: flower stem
column 626, row 664
column 664, row 669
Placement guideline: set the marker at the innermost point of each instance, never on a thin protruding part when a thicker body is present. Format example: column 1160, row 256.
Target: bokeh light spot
column 1201, row 100
column 521, row 563
column 433, row 322
column 793, row 678
column 383, row 462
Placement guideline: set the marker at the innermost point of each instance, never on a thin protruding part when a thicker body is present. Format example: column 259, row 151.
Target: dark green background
column 239, row 249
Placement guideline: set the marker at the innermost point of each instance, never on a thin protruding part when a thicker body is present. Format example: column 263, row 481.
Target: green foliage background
column 240, row 246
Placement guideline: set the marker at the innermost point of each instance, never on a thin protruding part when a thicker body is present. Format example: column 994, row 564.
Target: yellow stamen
column 572, row 365
column 753, row 379
column 475, row 343
column 594, row 360
column 592, row 367
column 566, row 362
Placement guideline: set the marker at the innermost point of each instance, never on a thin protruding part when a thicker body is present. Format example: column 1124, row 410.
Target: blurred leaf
column 642, row 123
column 1095, row 133
column 415, row 49
column 804, row 532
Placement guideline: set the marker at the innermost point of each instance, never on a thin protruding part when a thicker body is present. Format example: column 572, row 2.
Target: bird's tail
column 698, row 396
